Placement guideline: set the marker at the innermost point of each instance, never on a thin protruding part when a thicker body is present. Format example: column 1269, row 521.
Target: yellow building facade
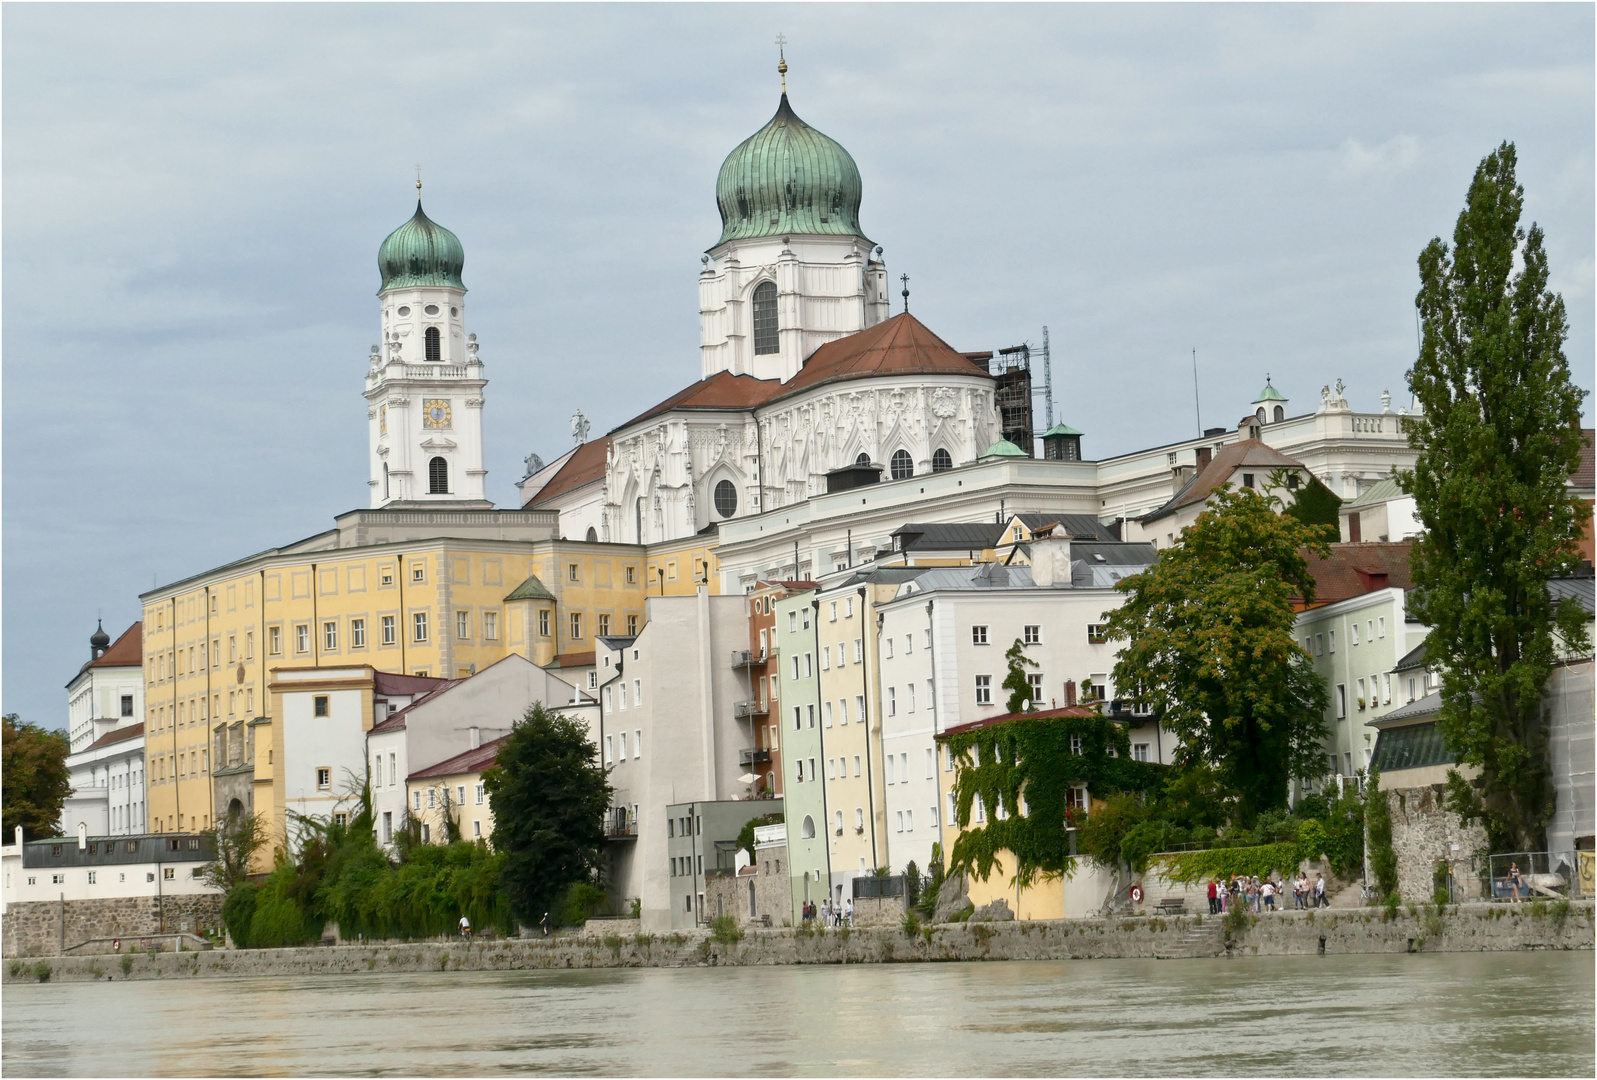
column 376, row 590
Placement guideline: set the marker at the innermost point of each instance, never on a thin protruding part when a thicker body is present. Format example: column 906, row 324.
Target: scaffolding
column 1012, row 368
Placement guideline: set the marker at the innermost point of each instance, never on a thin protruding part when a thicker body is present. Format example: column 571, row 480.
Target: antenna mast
column 1196, row 407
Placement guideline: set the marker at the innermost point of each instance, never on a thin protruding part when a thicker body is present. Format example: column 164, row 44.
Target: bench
column 1172, row 905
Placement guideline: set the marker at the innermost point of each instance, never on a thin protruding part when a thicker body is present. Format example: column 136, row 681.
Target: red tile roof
column 125, row 651
column 1078, row 711
column 472, row 761
column 1246, row 453
column 900, row 346
column 1585, row 477
column 1356, row 569
column 132, row 731
column 583, row 467
column 388, row 682
column 723, row 390
column 575, row 659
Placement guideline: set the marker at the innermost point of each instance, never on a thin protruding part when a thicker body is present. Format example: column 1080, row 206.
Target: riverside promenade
column 1467, row 928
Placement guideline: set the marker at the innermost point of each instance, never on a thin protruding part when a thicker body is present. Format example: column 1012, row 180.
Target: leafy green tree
column 1210, row 645
column 1378, row 822
column 1496, row 442
column 34, row 779
column 238, row 837
column 549, row 794
column 1316, row 504
column 1015, row 682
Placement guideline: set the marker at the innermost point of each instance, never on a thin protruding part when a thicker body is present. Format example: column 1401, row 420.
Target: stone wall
column 1467, row 928
column 44, row 927
column 1423, row 832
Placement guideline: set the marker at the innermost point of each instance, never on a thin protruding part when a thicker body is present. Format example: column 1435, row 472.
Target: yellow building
column 413, row 591
column 452, row 792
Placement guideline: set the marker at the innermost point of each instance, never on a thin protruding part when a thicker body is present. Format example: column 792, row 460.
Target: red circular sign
column 1136, row 894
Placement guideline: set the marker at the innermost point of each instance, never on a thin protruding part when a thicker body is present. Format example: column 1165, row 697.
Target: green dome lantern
column 1003, row 448
column 788, row 178
column 421, row 253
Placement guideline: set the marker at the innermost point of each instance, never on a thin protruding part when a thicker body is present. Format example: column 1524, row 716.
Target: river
column 1477, row 1014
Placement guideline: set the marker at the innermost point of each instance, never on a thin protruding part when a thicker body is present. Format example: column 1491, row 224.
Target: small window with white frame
column 978, row 635
column 1031, row 634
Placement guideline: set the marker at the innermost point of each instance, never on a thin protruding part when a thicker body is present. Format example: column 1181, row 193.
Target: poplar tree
column 1210, row 646
column 1497, row 440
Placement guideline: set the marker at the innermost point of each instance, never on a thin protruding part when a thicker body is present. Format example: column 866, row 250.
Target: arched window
column 593, row 535
column 1280, row 413
column 942, row 461
column 637, row 517
column 1260, row 414
column 385, row 479
column 433, row 345
column 438, row 477
column 807, row 832
column 863, row 459
column 726, row 498
column 765, row 336
column 903, row 465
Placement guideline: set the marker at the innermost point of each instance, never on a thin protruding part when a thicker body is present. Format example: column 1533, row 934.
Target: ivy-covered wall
column 1022, row 769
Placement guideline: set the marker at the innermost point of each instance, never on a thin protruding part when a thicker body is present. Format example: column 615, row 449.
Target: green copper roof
column 1060, row 428
column 531, row 589
column 788, row 178
column 1003, row 448
column 1269, row 393
column 421, row 252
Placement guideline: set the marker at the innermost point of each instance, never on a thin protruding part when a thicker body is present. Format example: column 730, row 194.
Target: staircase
column 1199, row 941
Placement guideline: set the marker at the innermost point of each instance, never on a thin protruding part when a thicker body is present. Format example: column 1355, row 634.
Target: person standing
column 1514, row 879
column 848, row 911
column 1268, row 891
column 1319, row 892
column 544, row 924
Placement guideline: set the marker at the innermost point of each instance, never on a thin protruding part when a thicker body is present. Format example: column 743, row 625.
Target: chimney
column 1180, row 474
column 1050, row 559
column 1070, row 692
column 1205, row 455
column 474, row 736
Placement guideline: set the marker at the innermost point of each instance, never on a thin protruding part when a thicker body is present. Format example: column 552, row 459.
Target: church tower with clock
column 424, row 385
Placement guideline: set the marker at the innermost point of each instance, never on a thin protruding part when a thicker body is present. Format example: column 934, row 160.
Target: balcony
column 619, row 824
column 747, row 658
column 754, row 757
column 745, row 709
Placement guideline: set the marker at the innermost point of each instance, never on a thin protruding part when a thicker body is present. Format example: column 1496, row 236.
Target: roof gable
column 901, row 345
column 1227, row 461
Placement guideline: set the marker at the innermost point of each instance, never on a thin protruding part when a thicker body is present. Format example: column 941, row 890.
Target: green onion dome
column 421, row 252
column 788, row 178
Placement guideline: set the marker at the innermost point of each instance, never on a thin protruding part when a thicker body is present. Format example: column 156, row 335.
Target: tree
column 1496, row 441
column 1209, row 632
column 1015, row 682
column 238, row 837
column 34, row 778
column 548, row 793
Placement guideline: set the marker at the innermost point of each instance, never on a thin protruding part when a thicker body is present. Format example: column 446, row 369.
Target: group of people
column 1231, row 894
column 829, row 914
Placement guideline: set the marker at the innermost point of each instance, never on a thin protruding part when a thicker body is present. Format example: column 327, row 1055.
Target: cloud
column 1395, row 155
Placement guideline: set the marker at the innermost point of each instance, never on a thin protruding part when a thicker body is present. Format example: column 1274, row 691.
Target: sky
column 193, row 197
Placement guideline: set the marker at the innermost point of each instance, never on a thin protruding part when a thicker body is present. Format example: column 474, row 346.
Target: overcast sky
column 194, row 196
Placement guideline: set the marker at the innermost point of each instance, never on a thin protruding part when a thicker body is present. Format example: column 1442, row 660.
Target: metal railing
column 1533, row 875
column 754, row 757
column 870, row 886
column 620, row 824
column 745, row 709
column 747, row 657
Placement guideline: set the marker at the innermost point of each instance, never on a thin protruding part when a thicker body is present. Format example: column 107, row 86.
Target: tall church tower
column 792, row 269
column 424, row 387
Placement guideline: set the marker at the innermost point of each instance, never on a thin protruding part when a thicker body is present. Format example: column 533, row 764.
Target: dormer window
column 766, row 341
column 433, row 345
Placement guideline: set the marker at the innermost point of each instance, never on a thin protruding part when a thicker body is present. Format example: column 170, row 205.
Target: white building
column 450, row 718
column 105, row 701
column 1383, row 513
column 941, row 654
column 424, row 385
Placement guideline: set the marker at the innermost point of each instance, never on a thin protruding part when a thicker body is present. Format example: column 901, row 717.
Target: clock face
column 437, row 413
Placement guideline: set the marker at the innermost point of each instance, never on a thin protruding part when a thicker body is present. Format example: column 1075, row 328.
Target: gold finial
column 781, row 63
column 418, row 183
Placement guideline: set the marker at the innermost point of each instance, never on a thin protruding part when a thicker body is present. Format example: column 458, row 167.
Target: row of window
column 618, row 692
column 1376, row 691
column 610, row 742
column 574, row 624
column 441, row 796
column 168, row 873
column 1323, row 644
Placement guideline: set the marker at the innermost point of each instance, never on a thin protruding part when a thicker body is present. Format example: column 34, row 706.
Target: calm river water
column 1515, row 1013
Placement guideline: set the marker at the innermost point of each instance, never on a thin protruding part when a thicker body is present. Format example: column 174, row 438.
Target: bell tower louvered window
column 432, row 344
column 765, row 328
column 438, row 477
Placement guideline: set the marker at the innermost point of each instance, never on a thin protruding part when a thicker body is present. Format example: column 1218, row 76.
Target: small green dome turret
column 1003, row 448
column 421, row 252
column 788, row 178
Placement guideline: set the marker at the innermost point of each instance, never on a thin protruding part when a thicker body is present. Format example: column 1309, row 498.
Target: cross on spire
column 781, row 59
column 905, row 279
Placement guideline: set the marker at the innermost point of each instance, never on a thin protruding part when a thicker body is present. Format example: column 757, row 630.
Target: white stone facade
column 826, row 287
column 421, row 410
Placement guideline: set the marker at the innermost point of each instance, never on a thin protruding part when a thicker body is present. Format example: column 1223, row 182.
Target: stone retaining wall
column 45, row 927
column 1469, row 928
